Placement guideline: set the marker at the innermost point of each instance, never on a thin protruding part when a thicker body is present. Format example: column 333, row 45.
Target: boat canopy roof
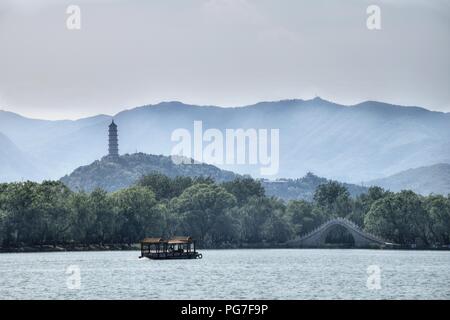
column 173, row 240
column 152, row 240
column 178, row 240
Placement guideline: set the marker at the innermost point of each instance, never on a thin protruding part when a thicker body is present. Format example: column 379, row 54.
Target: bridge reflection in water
column 317, row 237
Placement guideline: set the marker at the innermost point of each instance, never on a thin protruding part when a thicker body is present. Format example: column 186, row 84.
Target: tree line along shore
column 48, row 216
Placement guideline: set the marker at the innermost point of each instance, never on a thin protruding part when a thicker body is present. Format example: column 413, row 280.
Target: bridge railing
column 348, row 223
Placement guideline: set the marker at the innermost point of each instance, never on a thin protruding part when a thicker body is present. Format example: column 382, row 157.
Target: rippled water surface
column 228, row 274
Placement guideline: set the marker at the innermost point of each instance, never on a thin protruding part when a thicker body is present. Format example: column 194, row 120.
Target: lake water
column 229, row 274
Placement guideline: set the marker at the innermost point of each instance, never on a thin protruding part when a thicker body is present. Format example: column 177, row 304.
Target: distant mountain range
column 367, row 141
column 423, row 180
column 14, row 164
column 112, row 175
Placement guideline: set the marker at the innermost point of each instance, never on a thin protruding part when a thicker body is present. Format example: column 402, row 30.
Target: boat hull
column 169, row 256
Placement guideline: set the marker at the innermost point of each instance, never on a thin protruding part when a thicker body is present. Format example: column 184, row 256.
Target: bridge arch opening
column 339, row 236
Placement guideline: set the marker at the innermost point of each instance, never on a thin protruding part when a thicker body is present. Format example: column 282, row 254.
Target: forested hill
column 115, row 175
column 112, row 175
column 304, row 188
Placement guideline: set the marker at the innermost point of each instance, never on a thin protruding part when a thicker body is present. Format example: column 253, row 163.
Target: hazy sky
column 219, row 52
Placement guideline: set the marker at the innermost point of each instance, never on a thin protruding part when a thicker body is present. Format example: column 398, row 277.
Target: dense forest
column 236, row 213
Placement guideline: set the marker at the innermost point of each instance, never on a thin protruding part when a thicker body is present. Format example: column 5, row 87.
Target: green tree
column 302, row 217
column 334, row 199
column 438, row 208
column 138, row 215
column 171, row 220
column 203, row 180
column 399, row 217
column 361, row 205
column 104, row 216
column 277, row 228
column 3, row 224
column 244, row 188
column 50, row 204
column 165, row 187
column 179, row 184
column 264, row 220
column 204, row 212
column 83, row 219
column 24, row 224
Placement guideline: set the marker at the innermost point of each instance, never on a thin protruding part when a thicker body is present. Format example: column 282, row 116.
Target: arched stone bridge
column 316, row 238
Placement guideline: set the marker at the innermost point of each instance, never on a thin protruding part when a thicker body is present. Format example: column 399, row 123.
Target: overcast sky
column 219, row 52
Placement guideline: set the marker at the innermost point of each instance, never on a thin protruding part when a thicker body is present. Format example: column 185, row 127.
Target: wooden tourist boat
column 174, row 248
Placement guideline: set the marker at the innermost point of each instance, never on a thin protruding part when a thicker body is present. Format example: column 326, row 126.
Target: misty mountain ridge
column 367, row 141
column 13, row 162
column 424, row 180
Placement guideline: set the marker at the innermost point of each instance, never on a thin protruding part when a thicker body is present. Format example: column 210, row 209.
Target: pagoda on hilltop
column 113, row 150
